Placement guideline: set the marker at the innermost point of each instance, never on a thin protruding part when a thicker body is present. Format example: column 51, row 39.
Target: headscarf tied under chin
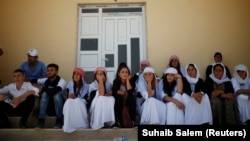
column 192, row 80
column 142, row 84
column 224, row 77
column 241, row 67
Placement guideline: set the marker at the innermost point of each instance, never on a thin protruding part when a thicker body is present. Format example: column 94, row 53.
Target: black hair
column 52, row 65
column 217, row 53
column 19, row 70
column 121, row 66
column 168, row 87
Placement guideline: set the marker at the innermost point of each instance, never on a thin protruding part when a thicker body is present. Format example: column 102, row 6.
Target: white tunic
column 243, row 100
column 102, row 107
column 75, row 111
column 197, row 113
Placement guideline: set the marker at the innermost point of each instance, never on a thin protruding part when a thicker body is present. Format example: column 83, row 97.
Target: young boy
column 22, row 100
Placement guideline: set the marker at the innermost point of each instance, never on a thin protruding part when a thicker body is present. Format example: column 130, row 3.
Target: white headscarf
column 192, row 80
column 142, row 84
column 224, row 77
column 237, row 77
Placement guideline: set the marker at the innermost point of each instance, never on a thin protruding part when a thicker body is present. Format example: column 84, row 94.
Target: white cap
column 33, row 52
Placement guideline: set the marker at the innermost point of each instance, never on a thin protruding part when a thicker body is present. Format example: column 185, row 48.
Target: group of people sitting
column 179, row 97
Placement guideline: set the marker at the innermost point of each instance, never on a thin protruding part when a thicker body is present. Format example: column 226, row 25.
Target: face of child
column 242, row 74
column 218, row 72
column 148, row 76
column 77, row 76
column 18, row 77
column 100, row 75
column 191, row 71
column 124, row 73
column 217, row 58
column 170, row 77
column 174, row 63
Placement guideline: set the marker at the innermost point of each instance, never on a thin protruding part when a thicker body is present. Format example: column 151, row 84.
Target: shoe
column 59, row 123
column 40, row 123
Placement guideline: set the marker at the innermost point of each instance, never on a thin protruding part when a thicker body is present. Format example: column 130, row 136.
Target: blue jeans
column 58, row 103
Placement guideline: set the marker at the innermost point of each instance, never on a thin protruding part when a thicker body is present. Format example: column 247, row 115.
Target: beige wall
column 191, row 29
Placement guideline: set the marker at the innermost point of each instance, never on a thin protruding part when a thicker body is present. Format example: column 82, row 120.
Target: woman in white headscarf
column 223, row 101
column 74, row 109
column 152, row 111
column 102, row 106
column 170, row 90
column 197, row 103
column 241, row 84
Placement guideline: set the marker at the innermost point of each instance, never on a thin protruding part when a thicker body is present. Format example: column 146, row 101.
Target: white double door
column 108, row 38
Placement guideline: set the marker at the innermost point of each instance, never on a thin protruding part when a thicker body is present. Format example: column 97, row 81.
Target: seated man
column 33, row 68
column 52, row 89
column 22, row 101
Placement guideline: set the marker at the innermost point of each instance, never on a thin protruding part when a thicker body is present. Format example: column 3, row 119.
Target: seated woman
column 197, row 103
column 223, row 101
column 74, row 109
column 102, row 106
column 174, row 62
column 152, row 111
column 241, row 84
column 170, row 90
column 123, row 91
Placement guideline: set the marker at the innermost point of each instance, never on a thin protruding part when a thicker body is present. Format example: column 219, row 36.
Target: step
column 32, row 122
column 110, row 134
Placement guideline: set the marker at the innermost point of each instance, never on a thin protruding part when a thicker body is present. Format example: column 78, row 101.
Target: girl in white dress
column 170, row 90
column 241, row 84
column 102, row 106
column 197, row 104
column 152, row 111
column 74, row 109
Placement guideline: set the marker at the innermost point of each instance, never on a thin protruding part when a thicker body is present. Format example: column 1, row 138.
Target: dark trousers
column 23, row 109
column 128, row 101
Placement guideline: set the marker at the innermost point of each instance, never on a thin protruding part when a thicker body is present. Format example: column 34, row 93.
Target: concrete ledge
column 32, row 122
column 58, row 134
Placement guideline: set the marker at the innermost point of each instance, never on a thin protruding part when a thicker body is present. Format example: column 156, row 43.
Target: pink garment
column 80, row 71
column 173, row 57
column 145, row 62
column 101, row 69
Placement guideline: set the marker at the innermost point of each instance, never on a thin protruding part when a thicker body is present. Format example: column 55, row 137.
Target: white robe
column 175, row 116
column 153, row 112
column 75, row 115
column 102, row 111
column 243, row 100
column 75, row 111
column 197, row 113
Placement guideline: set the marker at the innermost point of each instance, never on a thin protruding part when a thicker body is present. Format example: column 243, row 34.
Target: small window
column 119, row 10
column 90, row 10
column 89, row 44
column 109, row 60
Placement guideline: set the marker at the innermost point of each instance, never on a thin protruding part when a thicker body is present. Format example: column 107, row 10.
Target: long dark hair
column 77, row 86
column 168, row 87
column 121, row 66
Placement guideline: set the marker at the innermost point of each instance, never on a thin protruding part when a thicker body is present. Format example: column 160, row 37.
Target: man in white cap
column 33, row 68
